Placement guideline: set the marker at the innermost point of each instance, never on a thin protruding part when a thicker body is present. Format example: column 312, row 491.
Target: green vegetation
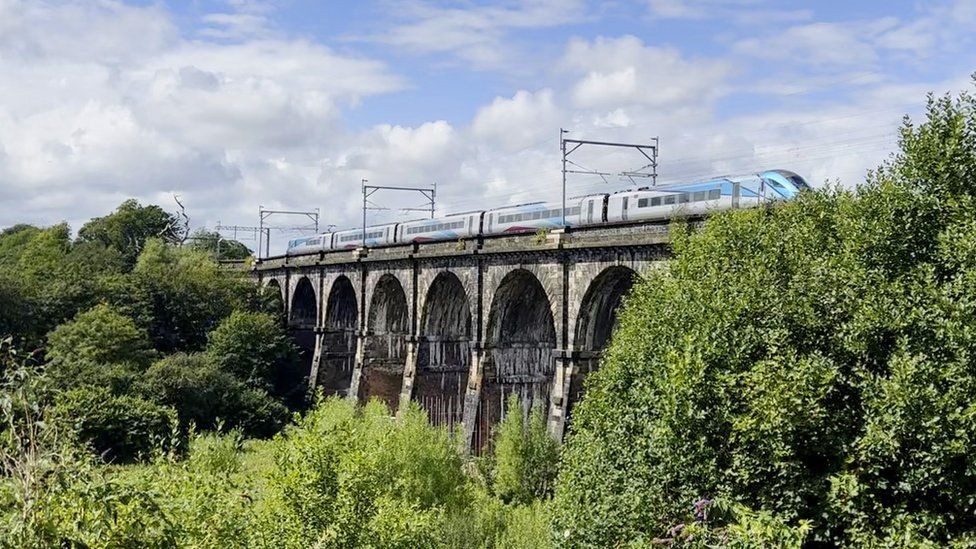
column 810, row 362
column 798, row 375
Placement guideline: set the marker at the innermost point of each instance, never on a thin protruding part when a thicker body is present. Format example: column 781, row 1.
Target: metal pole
column 364, row 212
column 562, row 146
column 433, row 194
column 260, row 229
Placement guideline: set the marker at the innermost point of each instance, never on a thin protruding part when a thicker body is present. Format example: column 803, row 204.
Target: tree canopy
column 812, row 360
column 129, row 227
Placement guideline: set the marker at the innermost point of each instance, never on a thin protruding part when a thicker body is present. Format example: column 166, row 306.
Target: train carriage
column 531, row 217
column 310, row 244
column 694, row 199
column 381, row 235
column 451, row 227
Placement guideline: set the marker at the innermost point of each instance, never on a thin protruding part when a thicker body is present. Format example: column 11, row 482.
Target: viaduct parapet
column 458, row 326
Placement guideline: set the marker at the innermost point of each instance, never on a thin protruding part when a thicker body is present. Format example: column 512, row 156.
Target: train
column 644, row 204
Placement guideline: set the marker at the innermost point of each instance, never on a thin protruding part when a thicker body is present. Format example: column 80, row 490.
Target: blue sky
column 290, row 103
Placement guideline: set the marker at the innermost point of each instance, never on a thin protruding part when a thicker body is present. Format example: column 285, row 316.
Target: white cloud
column 739, row 11
column 479, row 36
column 621, row 71
column 517, row 122
column 106, row 101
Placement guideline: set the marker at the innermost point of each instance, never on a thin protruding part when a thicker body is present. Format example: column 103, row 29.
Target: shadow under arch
column 595, row 324
column 388, row 327
column 339, row 339
column 273, row 300
column 301, row 325
column 518, row 355
column 444, row 351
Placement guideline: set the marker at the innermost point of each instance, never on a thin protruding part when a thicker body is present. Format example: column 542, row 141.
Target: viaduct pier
column 458, row 326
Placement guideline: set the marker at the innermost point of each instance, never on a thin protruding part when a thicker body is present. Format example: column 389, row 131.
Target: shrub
column 204, row 395
column 810, row 361
column 118, row 428
column 252, row 346
column 100, row 335
column 345, row 477
column 526, row 456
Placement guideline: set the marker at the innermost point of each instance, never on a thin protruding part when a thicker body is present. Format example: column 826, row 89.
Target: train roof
column 515, row 206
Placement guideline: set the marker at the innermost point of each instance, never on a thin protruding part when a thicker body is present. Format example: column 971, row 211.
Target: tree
column 809, row 360
column 179, row 295
column 221, row 248
column 100, row 335
column 255, row 348
column 130, row 227
column 526, row 455
column 13, row 240
column 203, row 394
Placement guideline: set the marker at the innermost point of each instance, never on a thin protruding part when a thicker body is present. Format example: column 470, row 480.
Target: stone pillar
column 357, row 372
column 560, row 395
column 313, row 374
column 472, row 397
column 409, row 371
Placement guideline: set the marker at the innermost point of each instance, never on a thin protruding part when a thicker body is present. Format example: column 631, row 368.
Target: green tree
column 45, row 251
column 255, row 348
column 526, row 456
column 203, row 394
column 13, row 240
column 179, row 295
column 219, row 247
column 100, row 335
column 119, row 428
column 130, row 226
column 810, row 361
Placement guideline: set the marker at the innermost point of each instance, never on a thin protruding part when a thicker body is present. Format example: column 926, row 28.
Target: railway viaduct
column 457, row 326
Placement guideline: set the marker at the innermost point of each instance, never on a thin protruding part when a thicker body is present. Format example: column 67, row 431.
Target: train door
column 623, row 210
column 589, row 210
column 490, row 216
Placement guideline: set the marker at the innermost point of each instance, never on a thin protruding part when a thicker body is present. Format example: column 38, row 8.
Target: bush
column 346, row 478
column 100, row 335
column 204, row 395
column 810, row 361
column 118, row 428
column 252, row 346
column 526, row 456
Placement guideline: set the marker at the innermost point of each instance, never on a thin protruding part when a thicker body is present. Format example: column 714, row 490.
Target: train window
column 656, row 201
column 669, row 199
column 714, row 194
column 699, row 196
column 683, row 198
column 642, row 203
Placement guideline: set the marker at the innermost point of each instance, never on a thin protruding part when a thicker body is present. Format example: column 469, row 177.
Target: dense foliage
column 140, row 337
column 812, row 361
column 800, row 374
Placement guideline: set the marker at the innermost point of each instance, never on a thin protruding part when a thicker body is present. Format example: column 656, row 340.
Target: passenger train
column 662, row 202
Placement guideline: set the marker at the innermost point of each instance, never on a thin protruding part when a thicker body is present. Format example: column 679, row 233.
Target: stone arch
column 304, row 308
column 301, row 324
column 444, row 350
column 595, row 323
column 273, row 298
column 518, row 358
column 339, row 338
column 388, row 327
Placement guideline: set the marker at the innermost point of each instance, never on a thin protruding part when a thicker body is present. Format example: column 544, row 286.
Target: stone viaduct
column 458, row 326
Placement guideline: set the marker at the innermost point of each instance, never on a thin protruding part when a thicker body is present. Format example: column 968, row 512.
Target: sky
column 288, row 104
